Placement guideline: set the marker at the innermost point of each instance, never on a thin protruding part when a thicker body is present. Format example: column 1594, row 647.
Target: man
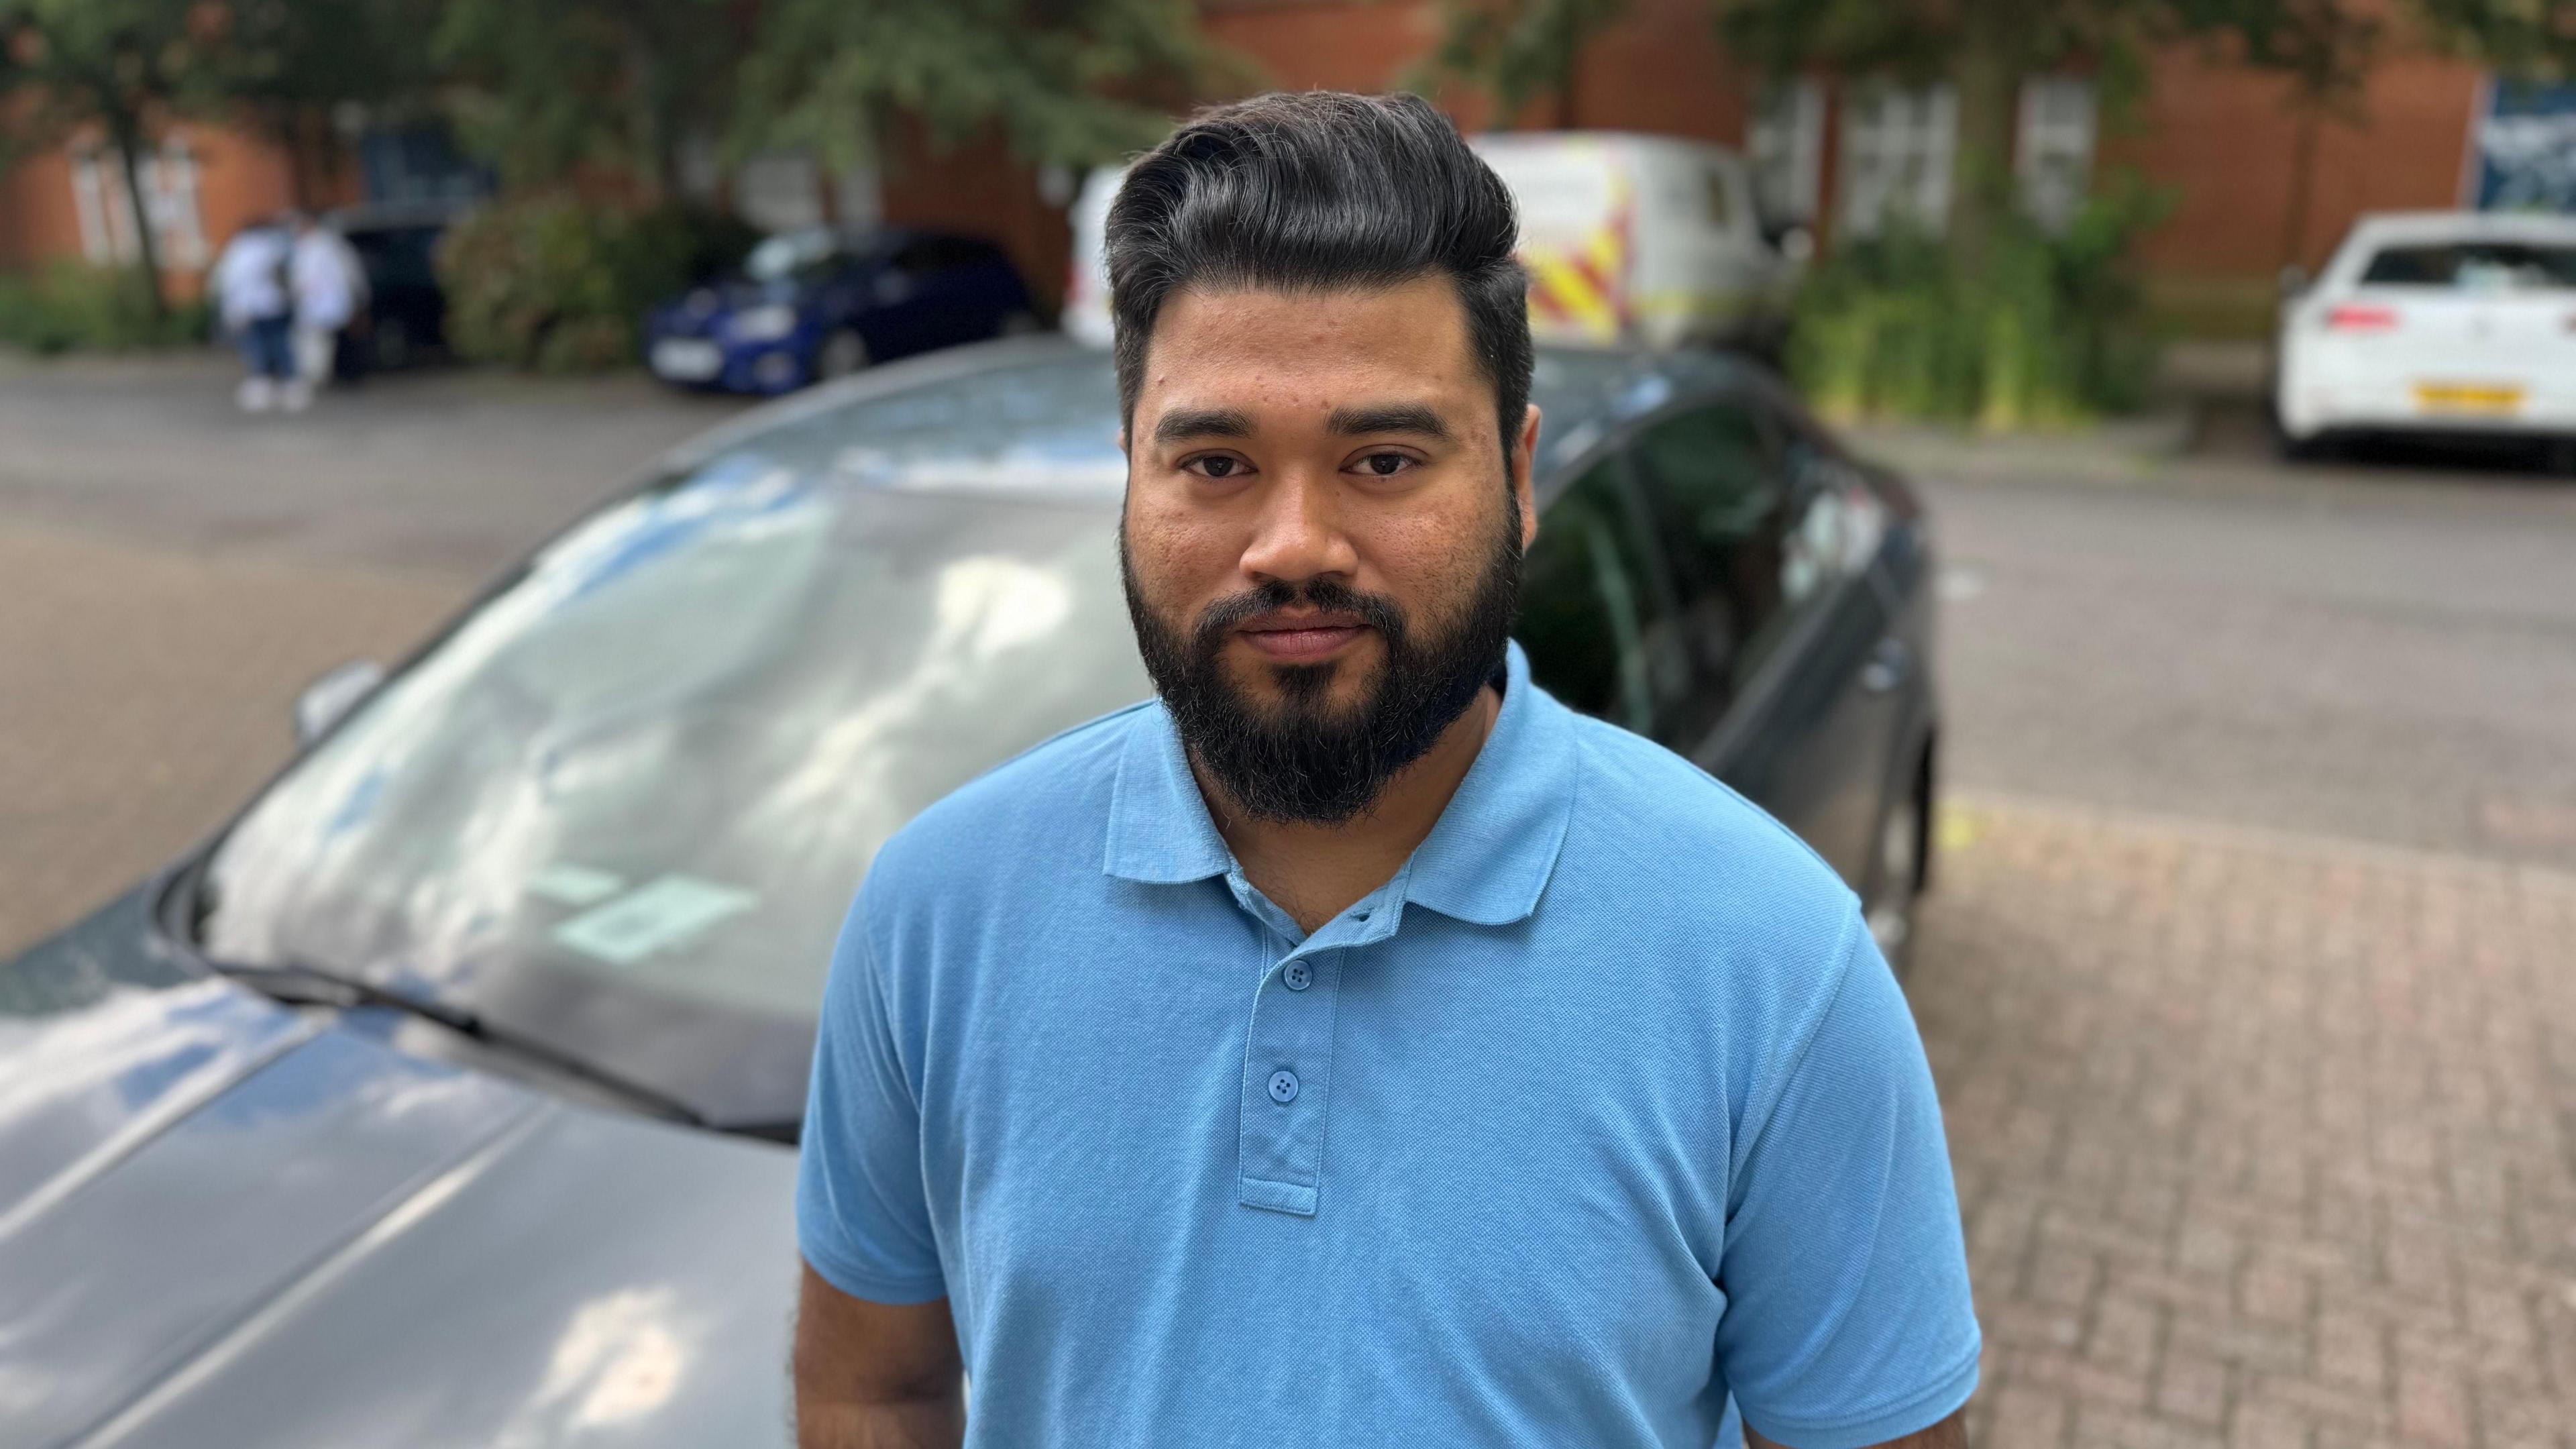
column 251, row 297
column 1356, row 1047
column 329, row 284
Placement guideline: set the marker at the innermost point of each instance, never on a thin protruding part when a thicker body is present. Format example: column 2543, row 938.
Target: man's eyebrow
column 1390, row 418
column 1201, row 423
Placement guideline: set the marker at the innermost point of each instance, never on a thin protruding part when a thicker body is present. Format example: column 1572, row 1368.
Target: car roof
column 2438, row 226
column 1036, row 416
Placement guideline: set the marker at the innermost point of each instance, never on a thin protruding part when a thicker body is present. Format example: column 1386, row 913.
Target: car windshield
column 623, row 805
column 2475, row 266
column 791, row 254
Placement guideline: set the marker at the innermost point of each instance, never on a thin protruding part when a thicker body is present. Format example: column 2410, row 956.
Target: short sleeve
column 1848, row 1320
column 862, row 1220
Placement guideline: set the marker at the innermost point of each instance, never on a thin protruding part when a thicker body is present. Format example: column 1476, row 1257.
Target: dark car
column 444, row 1096
column 818, row 304
column 406, row 312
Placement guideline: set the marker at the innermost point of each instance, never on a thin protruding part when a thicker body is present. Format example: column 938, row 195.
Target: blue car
column 819, row 303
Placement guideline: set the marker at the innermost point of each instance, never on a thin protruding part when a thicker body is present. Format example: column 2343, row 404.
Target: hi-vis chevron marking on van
column 1629, row 240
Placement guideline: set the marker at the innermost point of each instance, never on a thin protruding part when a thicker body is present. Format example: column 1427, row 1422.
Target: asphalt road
column 448, row 470
column 2381, row 653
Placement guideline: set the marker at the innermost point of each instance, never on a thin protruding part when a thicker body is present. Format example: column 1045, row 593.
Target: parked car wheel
column 1901, row 846
column 842, row 353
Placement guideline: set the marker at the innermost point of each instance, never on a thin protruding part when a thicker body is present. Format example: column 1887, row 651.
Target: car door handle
column 1889, row 665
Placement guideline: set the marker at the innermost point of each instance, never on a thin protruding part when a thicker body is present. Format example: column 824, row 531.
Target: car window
column 1597, row 615
column 2474, row 266
column 802, row 255
column 939, row 254
column 1718, row 481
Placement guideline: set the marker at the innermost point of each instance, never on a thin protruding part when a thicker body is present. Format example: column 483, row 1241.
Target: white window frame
column 106, row 215
column 2053, row 147
column 1899, row 146
column 1785, row 140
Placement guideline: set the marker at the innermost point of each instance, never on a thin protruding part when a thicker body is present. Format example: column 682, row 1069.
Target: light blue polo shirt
column 1604, row 1109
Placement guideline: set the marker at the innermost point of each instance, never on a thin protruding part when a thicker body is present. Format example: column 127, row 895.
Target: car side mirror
column 327, row 700
column 2293, row 280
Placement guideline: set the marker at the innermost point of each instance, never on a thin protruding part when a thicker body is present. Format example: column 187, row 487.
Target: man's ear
column 1524, row 480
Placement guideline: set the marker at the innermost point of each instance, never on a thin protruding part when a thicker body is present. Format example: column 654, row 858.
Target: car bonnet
column 223, row 1221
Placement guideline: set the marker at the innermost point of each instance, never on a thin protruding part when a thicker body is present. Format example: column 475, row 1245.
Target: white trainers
column 296, row 396
column 255, row 394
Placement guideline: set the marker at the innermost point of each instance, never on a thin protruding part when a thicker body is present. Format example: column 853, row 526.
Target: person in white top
column 251, row 296
column 329, row 285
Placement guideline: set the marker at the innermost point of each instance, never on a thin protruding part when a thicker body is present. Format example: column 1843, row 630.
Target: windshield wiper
column 301, row 985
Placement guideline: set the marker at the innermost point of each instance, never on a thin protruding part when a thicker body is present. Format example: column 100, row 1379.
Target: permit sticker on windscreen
column 669, row 911
column 574, row 885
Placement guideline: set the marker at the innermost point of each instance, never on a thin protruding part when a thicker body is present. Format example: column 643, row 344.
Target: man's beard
column 1306, row 760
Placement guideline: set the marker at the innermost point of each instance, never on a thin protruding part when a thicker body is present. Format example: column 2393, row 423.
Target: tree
column 1069, row 81
column 123, row 66
column 130, row 67
column 1521, row 52
column 545, row 89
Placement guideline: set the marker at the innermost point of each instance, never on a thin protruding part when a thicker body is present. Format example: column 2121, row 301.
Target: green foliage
column 129, row 67
column 1520, row 50
column 1071, row 81
column 2051, row 330
column 554, row 283
column 546, row 89
column 73, row 306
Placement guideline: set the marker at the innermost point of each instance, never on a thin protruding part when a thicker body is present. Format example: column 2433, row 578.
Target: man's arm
column 1950, row 1433
column 875, row 1375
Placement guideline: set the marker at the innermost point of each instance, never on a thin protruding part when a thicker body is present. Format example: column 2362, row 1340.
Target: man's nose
column 1298, row 535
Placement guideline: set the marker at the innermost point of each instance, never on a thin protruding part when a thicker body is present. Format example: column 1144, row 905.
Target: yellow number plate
column 2475, row 398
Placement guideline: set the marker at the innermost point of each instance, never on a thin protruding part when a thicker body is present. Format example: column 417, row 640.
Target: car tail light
column 2351, row 318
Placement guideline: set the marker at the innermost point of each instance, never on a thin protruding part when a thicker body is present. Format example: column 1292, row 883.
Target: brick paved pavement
column 2262, row 1140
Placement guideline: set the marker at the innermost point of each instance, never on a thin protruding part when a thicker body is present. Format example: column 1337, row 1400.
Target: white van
column 1628, row 238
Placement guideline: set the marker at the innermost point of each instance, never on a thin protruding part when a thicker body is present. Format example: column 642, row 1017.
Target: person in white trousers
column 251, row 290
column 330, row 284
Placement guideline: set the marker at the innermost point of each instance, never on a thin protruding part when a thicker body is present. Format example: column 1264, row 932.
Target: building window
column 2053, row 155
column 1786, row 141
column 1896, row 154
column 106, row 213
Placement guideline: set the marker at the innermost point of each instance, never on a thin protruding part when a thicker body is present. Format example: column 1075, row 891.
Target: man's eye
column 1386, row 465
column 1216, row 465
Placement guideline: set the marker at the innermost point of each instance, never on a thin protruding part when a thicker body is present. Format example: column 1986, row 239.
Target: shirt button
column 1283, row 1087
column 1298, row 975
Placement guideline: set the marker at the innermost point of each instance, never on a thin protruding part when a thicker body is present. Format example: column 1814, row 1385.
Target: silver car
column 446, row 1096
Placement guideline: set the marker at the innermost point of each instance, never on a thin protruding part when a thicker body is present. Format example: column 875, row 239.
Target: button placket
column 1287, row 1081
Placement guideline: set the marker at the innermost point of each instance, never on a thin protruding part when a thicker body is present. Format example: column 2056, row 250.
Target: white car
column 1629, row 239
column 2434, row 322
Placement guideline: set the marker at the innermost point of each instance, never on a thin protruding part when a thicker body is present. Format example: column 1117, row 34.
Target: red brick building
column 2258, row 181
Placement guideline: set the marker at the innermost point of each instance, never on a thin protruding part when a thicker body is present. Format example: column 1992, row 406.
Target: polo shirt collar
column 1486, row 862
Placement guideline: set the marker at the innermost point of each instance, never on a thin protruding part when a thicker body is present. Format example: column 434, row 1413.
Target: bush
column 2054, row 331
column 73, row 306
column 555, row 283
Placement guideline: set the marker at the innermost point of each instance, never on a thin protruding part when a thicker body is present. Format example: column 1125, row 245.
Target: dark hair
column 1320, row 191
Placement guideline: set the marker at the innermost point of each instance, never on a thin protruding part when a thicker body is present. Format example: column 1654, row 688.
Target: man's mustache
column 1223, row 616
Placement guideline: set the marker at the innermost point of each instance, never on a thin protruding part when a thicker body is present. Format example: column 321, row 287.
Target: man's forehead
column 1337, row 351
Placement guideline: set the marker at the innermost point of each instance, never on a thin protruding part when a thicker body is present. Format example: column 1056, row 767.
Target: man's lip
column 1304, row 638
column 1298, row 623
